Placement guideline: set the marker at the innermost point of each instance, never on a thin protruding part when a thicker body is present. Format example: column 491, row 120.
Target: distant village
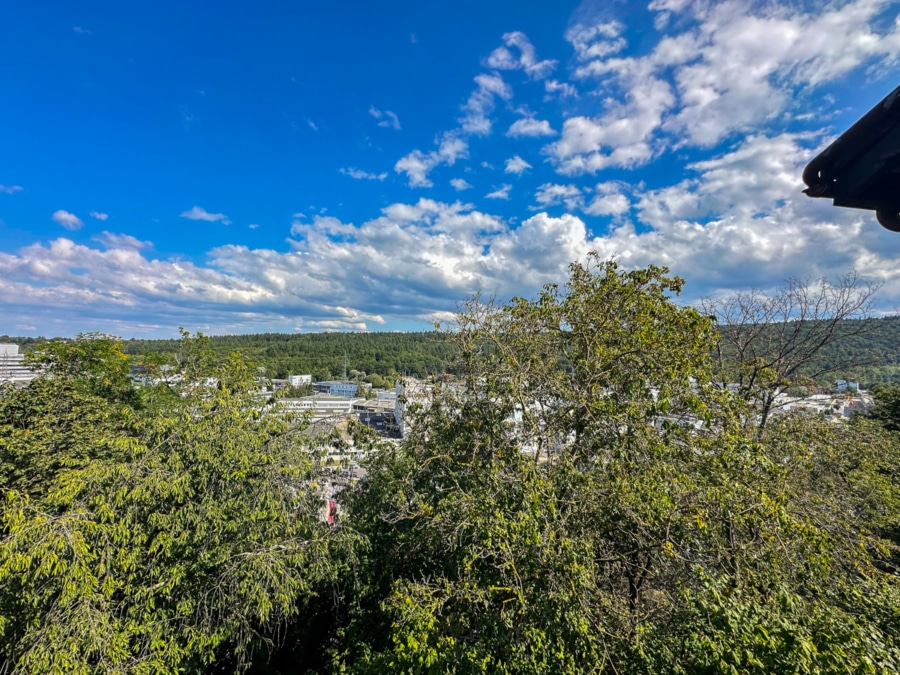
column 330, row 402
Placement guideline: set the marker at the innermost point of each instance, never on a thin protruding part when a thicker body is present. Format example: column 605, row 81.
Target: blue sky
column 284, row 166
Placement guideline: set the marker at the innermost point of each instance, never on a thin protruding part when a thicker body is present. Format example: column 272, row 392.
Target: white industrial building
column 12, row 365
column 299, row 380
column 319, row 405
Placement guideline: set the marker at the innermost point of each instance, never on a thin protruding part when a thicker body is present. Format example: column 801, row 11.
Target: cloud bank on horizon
column 672, row 134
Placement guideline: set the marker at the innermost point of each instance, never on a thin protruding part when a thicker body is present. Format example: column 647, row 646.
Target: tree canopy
column 151, row 531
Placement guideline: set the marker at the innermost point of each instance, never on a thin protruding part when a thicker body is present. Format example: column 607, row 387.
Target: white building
column 12, row 366
column 337, row 388
column 387, row 399
column 299, row 380
column 844, row 385
column 320, row 405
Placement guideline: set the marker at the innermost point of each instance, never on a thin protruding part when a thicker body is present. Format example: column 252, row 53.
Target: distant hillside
column 873, row 358
column 322, row 354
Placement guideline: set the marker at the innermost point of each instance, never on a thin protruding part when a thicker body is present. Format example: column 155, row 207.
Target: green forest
column 868, row 352
column 584, row 497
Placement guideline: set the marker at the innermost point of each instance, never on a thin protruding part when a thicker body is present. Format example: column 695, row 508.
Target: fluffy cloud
column 481, row 103
column 197, row 213
column 528, row 126
column 385, row 118
column 751, row 60
column 476, row 119
column 501, row 193
column 417, row 164
column 11, row 189
column 328, row 226
column 561, row 89
column 740, row 220
column 359, row 174
column 516, row 165
column 732, row 217
column 736, row 220
column 98, row 215
column 596, row 41
column 729, row 67
column 122, row 241
column 550, row 194
column 620, row 138
column 608, row 200
column 504, row 59
column 412, row 262
column 68, row 220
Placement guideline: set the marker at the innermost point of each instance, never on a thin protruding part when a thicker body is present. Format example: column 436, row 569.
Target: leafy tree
column 772, row 341
column 92, row 361
column 887, row 407
column 159, row 541
column 584, row 501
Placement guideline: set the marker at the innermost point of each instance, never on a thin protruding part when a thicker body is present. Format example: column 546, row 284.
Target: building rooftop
column 861, row 168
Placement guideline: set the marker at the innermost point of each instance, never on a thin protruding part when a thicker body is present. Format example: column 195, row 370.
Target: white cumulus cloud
column 197, row 213
column 561, row 89
column 609, row 200
column 417, row 164
column 68, row 220
column 500, row 193
column 121, row 241
column 722, row 68
column 481, row 103
column 529, row 126
column 516, row 165
column 504, row 59
column 550, row 194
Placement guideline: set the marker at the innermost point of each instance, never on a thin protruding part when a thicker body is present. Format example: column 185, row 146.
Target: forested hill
column 322, row 354
column 872, row 357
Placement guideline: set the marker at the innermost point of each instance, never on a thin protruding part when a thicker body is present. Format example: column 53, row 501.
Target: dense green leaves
column 584, row 502
column 151, row 539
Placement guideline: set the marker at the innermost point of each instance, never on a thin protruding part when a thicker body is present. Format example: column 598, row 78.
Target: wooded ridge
column 870, row 356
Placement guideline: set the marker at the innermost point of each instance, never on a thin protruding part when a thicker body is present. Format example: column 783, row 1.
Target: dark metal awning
column 861, row 169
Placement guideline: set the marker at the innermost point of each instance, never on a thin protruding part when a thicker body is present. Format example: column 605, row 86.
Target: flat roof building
column 344, row 388
column 12, row 365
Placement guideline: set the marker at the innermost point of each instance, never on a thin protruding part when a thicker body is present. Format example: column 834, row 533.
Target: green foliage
column 887, row 407
column 93, row 361
column 385, row 355
column 608, row 512
column 778, row 630
column 151, row 539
